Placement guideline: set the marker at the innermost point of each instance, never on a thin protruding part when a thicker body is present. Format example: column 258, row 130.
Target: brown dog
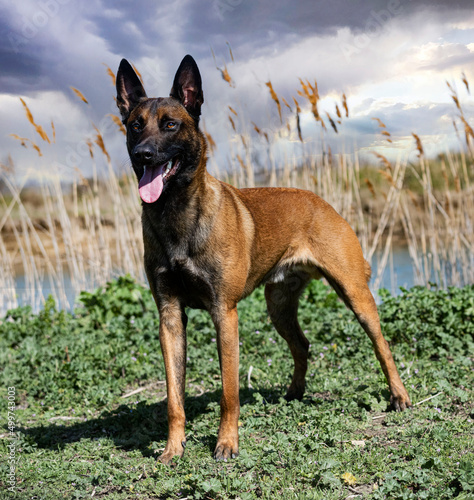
column 209, row 245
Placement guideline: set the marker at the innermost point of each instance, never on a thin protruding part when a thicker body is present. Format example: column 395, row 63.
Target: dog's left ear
column 187, row 87
column 130, row 90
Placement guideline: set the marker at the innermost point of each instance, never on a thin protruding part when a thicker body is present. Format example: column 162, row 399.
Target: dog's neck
column 185, row 210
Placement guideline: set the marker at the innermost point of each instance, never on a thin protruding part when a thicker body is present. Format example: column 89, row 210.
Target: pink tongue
column 151, row 184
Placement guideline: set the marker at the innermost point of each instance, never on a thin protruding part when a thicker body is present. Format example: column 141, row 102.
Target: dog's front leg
column 173, row 346
column 226, row 323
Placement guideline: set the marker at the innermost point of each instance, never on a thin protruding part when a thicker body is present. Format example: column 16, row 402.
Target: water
column 29, row 295
column 398, row 273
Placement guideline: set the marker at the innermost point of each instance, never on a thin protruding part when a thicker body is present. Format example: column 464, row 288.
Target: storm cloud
column 391, row 57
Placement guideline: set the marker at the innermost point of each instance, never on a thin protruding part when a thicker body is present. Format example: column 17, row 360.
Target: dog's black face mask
column 158, row 137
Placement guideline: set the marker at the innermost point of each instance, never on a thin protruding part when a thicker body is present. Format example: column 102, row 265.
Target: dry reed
column 90, row 232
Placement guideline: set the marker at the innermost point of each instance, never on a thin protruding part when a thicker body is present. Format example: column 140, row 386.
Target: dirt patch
column 376, row 428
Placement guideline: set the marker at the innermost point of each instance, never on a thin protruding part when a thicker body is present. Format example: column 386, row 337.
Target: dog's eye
column 135, row 127
column 171, row 125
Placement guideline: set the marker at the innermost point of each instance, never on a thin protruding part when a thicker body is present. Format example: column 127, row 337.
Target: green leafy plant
column 91, row 401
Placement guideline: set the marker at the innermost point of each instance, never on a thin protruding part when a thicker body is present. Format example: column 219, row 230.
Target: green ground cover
column 77, row 436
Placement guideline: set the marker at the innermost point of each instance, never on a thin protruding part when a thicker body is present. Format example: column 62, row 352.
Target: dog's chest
column 184, row 266
column 196, row 282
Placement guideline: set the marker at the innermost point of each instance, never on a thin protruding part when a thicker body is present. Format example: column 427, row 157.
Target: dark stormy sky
column 391, row 58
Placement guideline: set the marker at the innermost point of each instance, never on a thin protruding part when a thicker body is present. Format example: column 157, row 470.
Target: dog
column 208, row 245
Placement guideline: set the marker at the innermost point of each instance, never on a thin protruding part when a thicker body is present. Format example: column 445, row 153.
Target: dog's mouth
column 154, row 179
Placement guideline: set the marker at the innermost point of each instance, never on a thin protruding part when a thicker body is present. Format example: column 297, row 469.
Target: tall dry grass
column 79, row 236
column 427, row 205
column 71, row 238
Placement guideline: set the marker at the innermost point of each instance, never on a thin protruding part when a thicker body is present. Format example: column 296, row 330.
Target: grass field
column 90, row 413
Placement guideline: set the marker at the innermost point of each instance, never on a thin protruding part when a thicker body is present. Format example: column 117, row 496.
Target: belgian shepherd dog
column 208, row 245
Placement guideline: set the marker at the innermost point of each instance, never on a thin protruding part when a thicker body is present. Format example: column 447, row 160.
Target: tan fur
column 208, row 245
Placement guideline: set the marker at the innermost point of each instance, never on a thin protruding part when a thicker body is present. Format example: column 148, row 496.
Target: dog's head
column 163, row 140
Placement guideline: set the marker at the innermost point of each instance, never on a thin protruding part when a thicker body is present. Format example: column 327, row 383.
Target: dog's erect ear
column 187, row 87
column 130, row 91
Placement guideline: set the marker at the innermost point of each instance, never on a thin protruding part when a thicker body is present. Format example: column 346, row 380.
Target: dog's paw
column 400, row 402
column 171, row 452
column 226, row 451
column 294, row 393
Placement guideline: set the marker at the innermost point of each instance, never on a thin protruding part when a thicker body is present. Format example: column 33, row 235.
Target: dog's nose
column 143, row 153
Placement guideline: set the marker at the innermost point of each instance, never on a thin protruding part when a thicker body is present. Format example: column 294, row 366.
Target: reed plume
column 80, row 95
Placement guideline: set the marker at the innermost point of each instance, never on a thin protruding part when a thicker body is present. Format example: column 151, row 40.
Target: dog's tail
column 367, row 270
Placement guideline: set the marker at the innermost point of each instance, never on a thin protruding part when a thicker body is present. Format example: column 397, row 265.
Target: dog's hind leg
column 282, row 301
column 348, row 274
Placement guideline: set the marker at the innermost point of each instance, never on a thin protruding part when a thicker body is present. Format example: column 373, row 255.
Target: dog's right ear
column 130, row 90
